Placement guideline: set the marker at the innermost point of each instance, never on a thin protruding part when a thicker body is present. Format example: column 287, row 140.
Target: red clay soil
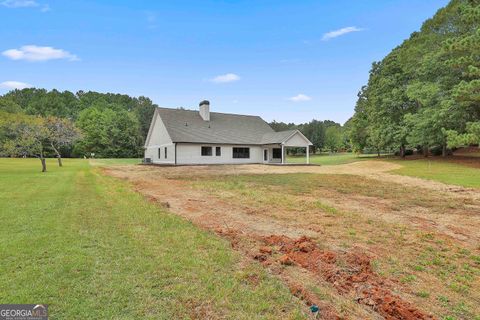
column 473, row 162
column 355, row 277
column 327, row 311
column 464, row 157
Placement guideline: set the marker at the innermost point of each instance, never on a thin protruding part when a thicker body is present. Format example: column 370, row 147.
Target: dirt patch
column 348, row 273
column 373, row 169
column 355, row 278
column 468, row 160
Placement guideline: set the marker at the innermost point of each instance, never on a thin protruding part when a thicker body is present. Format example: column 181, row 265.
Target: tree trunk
column 402, row 151
column 42, row 160
column 378, row 153
column 44, row 165
column 444, row 150
column 425, row 151
column 59, row 157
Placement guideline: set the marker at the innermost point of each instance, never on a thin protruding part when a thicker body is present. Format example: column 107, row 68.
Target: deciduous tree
column 61, row 133
column 29, row 135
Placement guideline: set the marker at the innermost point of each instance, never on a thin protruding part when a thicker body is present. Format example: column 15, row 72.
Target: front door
column 265, row 155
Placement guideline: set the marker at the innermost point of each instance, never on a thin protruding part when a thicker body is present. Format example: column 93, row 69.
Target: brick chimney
column 205, row 110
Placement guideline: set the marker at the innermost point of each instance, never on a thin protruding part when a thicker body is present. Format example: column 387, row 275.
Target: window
column 165, row 153
column 277, row 153
column 159, row 153
column 241, row 153
column 206, row 151
column 218, row 151
column 265, row 155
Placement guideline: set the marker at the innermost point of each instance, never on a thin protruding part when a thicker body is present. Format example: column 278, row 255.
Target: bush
column 437, row 151
column 408, row 152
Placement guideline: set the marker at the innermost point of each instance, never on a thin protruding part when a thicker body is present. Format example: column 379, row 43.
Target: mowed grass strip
column 92, row 249
column 444, row 171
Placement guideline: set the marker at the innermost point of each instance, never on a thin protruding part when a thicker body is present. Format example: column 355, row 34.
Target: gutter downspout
column 175, row 153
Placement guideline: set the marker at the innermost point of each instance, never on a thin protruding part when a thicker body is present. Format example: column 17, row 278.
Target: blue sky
column 290, row 61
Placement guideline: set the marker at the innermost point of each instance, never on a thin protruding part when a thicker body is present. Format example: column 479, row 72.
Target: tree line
column 425, row 94
column 325, row 135
column 40, row 123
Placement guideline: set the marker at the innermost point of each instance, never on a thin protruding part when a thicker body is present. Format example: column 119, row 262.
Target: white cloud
column 19, row 3
column 36, row 53
column 14, row 85
column 25, row 4
column 300, row 97
column 340, row 32
column 224, row 78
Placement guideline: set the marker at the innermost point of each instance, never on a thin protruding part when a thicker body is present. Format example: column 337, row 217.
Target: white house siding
column 153, row 153
column 159, row 139
column 159, row 134
column 296, row 141
column 270, row 158
column 192, row 154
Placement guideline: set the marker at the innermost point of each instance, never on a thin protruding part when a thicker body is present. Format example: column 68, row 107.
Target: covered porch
column 275, row 151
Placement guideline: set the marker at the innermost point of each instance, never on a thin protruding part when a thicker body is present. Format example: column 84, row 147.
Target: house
column 178, row 137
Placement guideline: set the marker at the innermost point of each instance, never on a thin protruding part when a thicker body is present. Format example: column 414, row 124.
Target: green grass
column 442, row 171
column 329, row 159
column 91, row 248
column 109, row 162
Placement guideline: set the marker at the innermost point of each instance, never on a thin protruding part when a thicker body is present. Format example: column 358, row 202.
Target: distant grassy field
column 91, row 248
column 440, row 170
column 330, row 159
column 447, row 171
column 104, row 162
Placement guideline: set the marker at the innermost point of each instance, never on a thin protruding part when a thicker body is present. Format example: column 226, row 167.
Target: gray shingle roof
column 188, row 126
column 276, row 137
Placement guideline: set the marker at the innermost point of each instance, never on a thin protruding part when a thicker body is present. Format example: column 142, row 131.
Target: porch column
column 283, row 154
column 308, row 154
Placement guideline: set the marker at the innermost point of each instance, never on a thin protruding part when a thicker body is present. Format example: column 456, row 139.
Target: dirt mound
column 355, row 276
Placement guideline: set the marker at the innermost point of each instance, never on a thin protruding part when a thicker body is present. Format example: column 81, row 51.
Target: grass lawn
column 110, row 162
column 330, row 159
column 91, row 248
column 440, row 170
